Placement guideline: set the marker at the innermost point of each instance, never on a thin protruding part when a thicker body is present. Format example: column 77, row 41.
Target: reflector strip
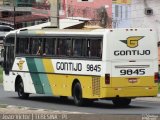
column 132, row 66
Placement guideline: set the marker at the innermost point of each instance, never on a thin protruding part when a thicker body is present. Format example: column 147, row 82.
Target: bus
column 88, row 65
column 4, row 29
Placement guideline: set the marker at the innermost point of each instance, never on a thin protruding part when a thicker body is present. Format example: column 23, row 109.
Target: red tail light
column 107, row 78
column 156, row 77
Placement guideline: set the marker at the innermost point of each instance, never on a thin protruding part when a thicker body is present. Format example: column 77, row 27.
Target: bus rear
column 132, row 56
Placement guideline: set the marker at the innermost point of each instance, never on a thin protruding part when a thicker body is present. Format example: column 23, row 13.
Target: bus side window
column 49, row 46
column 64, row 47
column 22, row 46
column 61, row 48
column 39, row 51
column 69, row 47
column 77, row 47
column 36, row 46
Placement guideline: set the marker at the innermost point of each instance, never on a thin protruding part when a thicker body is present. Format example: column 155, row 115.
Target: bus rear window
column 94, row 47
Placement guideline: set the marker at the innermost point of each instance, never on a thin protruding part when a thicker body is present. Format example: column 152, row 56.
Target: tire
column 88, row 102
column 77, row 94
column 63, row 98
column 121, row 102
column 20, row 91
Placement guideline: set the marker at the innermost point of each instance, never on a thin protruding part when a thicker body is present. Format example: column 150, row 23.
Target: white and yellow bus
column 115, row 64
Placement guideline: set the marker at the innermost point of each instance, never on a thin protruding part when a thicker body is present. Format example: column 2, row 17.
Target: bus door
column 8, row 57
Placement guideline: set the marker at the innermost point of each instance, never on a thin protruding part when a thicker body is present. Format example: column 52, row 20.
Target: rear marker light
column 156, row 77
column 107, row 78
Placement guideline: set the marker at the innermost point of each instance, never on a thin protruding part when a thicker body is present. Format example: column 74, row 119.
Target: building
column 145, row 13
column 1, row 2
column 19, row 3
column 31, row 12
column 94, row 11
column 24, row 21
column 21, row 13
column 121, row 13
column 82, row 6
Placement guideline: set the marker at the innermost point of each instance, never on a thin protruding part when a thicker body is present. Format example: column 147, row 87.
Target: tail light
column 107, row 78
column 156, row 77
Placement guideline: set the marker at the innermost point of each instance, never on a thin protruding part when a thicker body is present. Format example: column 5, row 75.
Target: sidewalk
column 149, row 99
column 11, row 109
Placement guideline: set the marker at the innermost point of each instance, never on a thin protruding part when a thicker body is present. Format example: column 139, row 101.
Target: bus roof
column 50, row 31
column 56, row 31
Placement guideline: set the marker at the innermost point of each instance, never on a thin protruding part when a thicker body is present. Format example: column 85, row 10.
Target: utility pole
column 14, row 17
column 54, row 12
column 14, row 14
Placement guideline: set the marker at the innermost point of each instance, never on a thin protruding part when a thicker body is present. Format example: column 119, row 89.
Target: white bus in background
column 114, row 64
column 4, row 29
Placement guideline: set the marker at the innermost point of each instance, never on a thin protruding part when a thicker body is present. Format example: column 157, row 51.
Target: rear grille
column 96, row 86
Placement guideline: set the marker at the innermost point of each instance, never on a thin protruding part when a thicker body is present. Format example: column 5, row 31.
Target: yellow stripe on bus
column 48, row 66
column 57, row 82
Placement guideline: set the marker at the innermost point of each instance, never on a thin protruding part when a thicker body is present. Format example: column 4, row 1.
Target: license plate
column 132, row 80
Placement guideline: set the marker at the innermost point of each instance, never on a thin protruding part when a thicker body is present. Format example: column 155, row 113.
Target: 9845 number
column 91, row 67
column 132, row 72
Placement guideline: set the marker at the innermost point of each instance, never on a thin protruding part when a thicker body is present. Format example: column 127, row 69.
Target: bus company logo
column 132, row 41
column 20, row 64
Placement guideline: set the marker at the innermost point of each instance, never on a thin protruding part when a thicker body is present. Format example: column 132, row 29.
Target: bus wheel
column 20, row 91
column 77, row 94
column 121, row 102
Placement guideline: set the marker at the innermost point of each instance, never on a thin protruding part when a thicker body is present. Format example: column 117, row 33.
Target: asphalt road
column 99, row 107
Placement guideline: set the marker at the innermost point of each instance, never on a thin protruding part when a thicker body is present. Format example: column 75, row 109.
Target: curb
column 149, row 99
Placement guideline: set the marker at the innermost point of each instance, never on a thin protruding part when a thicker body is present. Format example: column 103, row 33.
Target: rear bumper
column 131, row 92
